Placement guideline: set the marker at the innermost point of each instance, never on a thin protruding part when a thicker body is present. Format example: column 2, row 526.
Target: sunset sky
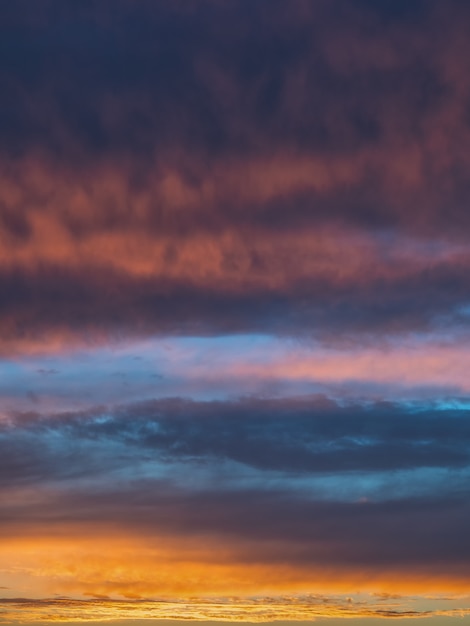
column 234, row 312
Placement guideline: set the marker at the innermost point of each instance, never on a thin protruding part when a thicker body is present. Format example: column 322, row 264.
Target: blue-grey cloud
column 303, row 436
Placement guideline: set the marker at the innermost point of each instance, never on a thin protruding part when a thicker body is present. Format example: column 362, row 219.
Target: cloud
column 223, row 497
column 158, row 176
column 161, row 467
column 304, row 436
column 78, row 304
column 266, row 609
column 150, row 539
column 202, row 169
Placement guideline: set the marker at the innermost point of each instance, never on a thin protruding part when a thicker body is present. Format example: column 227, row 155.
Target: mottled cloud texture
column 232, row 166
column 234, row 310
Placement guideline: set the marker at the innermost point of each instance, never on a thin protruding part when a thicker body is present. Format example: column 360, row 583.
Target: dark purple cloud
column 172, row 121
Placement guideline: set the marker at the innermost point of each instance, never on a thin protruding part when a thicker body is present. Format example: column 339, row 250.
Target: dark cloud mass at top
column 148, row 138
column 231, row 78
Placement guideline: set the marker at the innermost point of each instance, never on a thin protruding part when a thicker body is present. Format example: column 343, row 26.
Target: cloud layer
column 234, row 307
column 333, row 495
column 181, row 168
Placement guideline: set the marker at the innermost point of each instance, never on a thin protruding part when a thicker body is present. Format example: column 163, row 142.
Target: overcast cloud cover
column 234, row 310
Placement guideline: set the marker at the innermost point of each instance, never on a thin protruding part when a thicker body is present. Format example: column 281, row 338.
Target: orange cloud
column 224, row 610
column 110, row 564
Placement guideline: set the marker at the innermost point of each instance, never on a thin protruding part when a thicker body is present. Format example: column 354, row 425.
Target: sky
column 234, row 312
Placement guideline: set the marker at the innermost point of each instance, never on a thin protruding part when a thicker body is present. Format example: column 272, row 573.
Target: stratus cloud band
column 303, row 608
